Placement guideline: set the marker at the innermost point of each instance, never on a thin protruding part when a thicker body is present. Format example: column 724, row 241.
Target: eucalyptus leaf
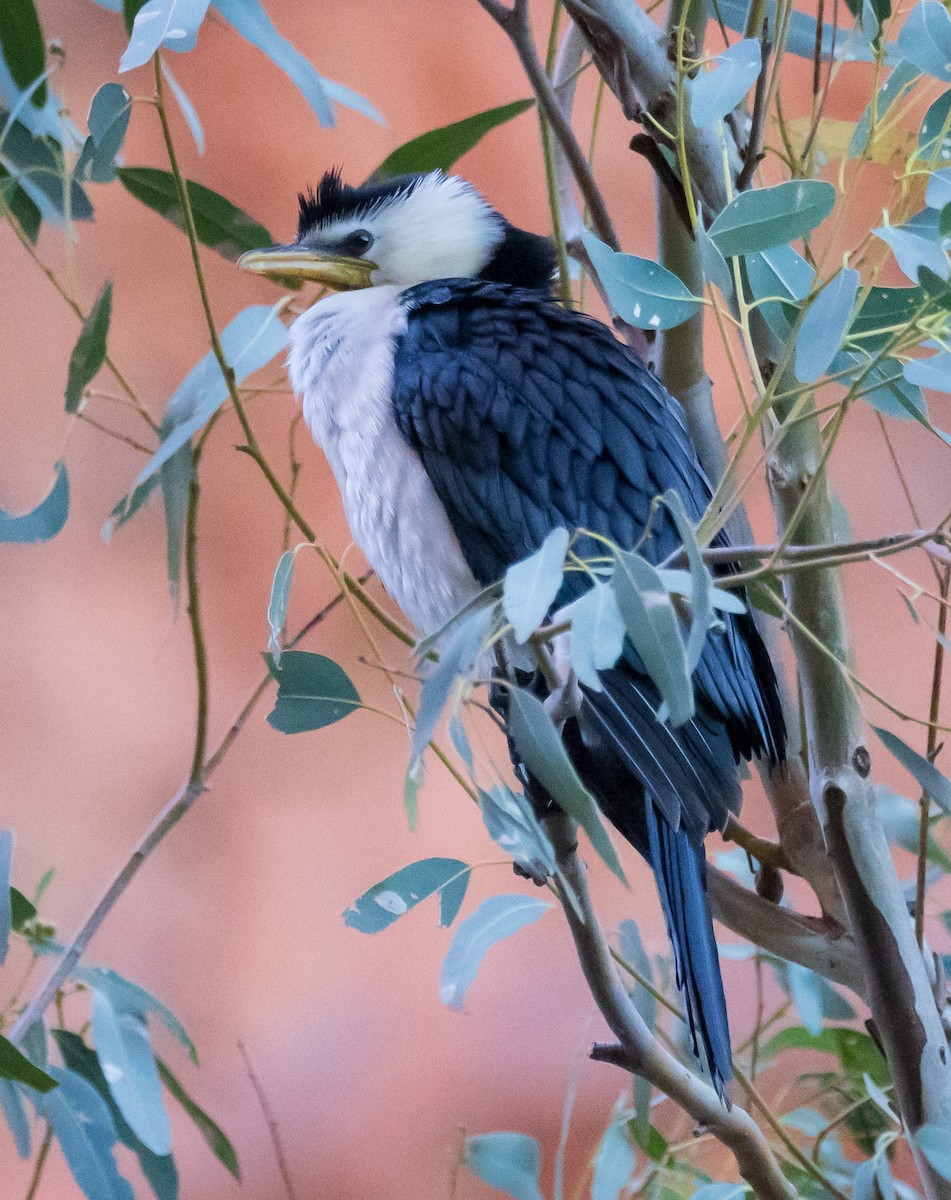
column 43, row 522
column 925, row 772
column 530, row 586
column 912, row 251
column 718, row 92
column 766, row 217
column 214, row 1136
column 6, row 899
column 192, row 120
column 720, row 1191
column 126, row 996
column 934, row 139
column 496, row 918
column 39, row 170
column 824, row 324
column 509, row 1162
column 89, row 353
column 312, row 692
column 881, row 310
column 82, row 1125
column 441, row 148
column 389, row 899
column 459, row 649
column 895, row 86
column 277, row 604
column 108, row 122
column 175, row 476
column 513, row 825
column 938, row 191
column 933, row 373
column 925, row 39
column 848, row 45
column 615, row 1159
column 16, row 1066
column 168, row 24
column 12, row 1108
column 25, row 212
column 597, row 633
column 932, row 1141
column 642, row 292
column 701, row 583
column 22, row 46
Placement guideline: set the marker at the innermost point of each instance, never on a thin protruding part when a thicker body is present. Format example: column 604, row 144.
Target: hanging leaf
column 934, row 139
column 45, row 521
column 894, row 87
column 615, row 1160
column 938, row 191
column 16, row 1066
column 597, row 633
column 127, row 996
column 718, row 92
column 312, row 692
column 543, row 753
column 932, row 1141
column 277, row 604
column 108, row 122
column 933, row 372
column 219, row 1144
column 219, row 224
column 81, row 1123
column 720, row 1191
column 32, row 162
column 6, row 897
column 21, row 206
column 389, row 899
column 12, row 1107
column 912, row 251
column 509, row 1162
column 653, row 628
column 250, row 21
column 172, row 24
column 494, row 919
column 925, row 39
column 530, row 586
column 700, row 590
column 882, row 309
column 175, row 477
column 850, row 45
column 767, row 217
column 459, row 648
column 187, row 108
column 824, row 324
column 440, row 148
column 642, row 292
column 89, row 353
column 23, row 47
column 513, row 825
column 925, row 772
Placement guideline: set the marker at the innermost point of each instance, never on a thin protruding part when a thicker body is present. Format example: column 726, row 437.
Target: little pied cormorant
column 465, row 415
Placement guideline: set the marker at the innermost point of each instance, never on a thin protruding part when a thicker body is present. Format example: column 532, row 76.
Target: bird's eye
column 357, row 243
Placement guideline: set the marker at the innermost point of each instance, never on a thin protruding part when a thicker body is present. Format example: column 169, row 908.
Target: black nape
column 522, row 259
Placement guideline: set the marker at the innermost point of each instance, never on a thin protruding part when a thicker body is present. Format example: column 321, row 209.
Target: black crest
column 333, row 199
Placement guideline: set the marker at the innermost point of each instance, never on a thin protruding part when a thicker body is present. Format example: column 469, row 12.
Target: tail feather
column 680, row 869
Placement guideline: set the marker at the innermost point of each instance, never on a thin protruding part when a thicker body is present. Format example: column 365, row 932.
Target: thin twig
column 272, row 1125
column 40, row 1163
column 934, row 710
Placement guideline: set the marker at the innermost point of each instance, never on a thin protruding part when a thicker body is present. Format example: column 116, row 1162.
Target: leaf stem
column 40, row 1163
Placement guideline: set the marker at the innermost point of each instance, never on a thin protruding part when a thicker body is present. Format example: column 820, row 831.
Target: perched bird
column 465, row 415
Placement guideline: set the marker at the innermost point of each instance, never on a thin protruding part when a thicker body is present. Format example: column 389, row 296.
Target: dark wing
column 528, row 416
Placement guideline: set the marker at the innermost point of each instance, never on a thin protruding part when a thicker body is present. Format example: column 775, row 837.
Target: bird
column 466, row 414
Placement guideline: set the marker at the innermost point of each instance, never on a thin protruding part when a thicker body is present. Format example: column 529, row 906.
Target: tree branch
column 639, row 1051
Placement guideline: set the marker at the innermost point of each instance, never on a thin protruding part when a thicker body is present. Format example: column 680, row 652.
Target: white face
column 442, row 229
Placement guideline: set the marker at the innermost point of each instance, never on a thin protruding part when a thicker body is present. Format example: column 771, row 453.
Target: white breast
column 341, row 365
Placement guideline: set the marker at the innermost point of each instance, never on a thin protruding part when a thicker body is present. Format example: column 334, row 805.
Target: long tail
column 680, row 869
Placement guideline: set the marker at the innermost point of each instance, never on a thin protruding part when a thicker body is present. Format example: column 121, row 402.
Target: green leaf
column 440, row 148
column 654, row 1144
column 23, row 47
column 513, row 825
column 653, row 628
column 24, row 210
column 389, row 899
column 765, row 217
column 43, row 522
column 219, row 224
column 130, row 997
column 932, row 1141
column 642, row 292
column 169, row 23
column 882, row 309
column 175, row 476
column 21, row 909
column 38, row 169
column 856, row 1052
column 108, row 121
column 121, row 1036
column 544, row 755
column 615, row 1159
column 16, row 1066
column 496, row 918
column 159, row 1171
column 89, row 353
column 11, row 1105
column 509, row 1162
column 82, row 1124
column 6, row 898
column 718, row 92
column 530, row 586
column 925, row 772
column 925, row 39
column 277, row 604
column 312, row 691
column 597, row 633
column 220, row 1146
column 824, row 324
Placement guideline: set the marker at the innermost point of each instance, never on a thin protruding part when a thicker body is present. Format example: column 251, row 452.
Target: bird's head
column 404, row 231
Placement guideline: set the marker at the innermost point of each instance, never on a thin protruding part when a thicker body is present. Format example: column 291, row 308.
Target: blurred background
column 236, row 921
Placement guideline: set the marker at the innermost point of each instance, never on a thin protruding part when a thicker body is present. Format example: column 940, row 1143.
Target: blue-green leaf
column 108, row 121
column 513, row 825
column 653, row 628
column 531, row 585
column 130, row 997
column 782, row 273
column 850, row 45
column 121, row 1037
column 544, row 755
column 642, row 292
column 277, row 604
column 767, row 217
column 807, row 1120
column 11, row 1105
column 932, row 1141
column 250, row 21
column 82, row 1125
column 803, row 988
column 925, row 39
column 312, row 692
column 701, row 583
column 38, row 170
column 925, row 772
column 720, row 1191
column 719, row 91
column 615, row 1160
column 218, row 1143
column 438, row 149
column 43, row 522
column 824, row 324
column 249, row 342
column 6, row 905
column 389, row 899
column 172, row 24
column 933, row 372
column 509, row 1162
column 89, row 353
column 175, row 476
column 494, row 919
column 192, row 120
column 938, row 191
column 895, row 86
column 934, row 140
column 597, row 633
column 912, row 251
column 459, row 648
